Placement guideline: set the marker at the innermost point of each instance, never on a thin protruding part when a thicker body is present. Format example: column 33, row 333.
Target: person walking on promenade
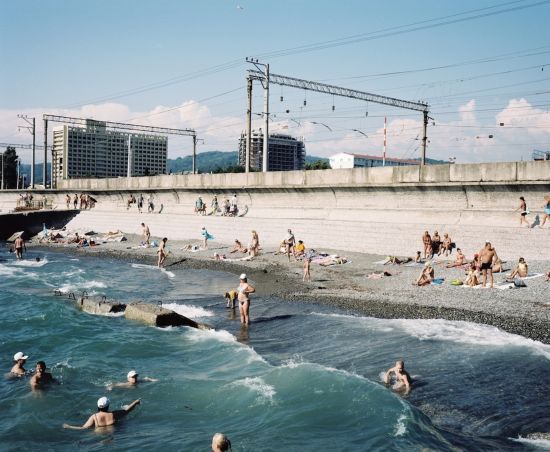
column 244, row 290
column 146, row 233
column 162, row 252
column 214, row 205
column 140, row 202
column 104, row 417
column 486, row 257
column 68, row 201
column 75, row 201
column 523, row 212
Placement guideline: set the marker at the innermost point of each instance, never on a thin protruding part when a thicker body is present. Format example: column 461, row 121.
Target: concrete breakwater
column 377, row 210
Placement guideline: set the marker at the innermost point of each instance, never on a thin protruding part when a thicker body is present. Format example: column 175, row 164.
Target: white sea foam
column 540, row 444
column 154, row 267
column 400, row 428
column 9, row 271
column 264, row 392
column 453, row 331
column 30, row 263
column 83, row 285
column 189, row 311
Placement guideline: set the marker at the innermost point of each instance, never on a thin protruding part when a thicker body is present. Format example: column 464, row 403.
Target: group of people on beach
column 524, row 212
column 228, row 207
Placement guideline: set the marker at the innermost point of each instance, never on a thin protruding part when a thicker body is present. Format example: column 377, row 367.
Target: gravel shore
column 523, row 311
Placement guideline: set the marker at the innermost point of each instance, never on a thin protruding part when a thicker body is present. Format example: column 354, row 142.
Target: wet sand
column 524, row 311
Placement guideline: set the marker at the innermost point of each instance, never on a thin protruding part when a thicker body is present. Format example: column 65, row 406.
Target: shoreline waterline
column 343, row 287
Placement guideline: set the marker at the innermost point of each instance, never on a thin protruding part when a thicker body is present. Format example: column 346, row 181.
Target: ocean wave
column 83, row 285
column 30, row 263
column 538, row 440
column 453, row 331
column 189, row 311
column 400, row 428
column 154, row 267
column 264, row 392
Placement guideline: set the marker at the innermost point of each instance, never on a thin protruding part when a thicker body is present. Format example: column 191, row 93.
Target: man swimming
column 19, row 360
column 104, row 417
column 41, row 377
column 244, row 301
column 402, row 376
column 132, row 380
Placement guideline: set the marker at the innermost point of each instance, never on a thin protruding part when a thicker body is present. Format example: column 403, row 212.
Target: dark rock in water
column 158, row 316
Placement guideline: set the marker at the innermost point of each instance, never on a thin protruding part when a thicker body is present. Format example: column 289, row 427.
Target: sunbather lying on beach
column 427, row 275
column 378, row 275
column 396, row 261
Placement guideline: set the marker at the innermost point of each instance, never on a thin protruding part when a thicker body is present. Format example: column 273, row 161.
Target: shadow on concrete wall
column 32, row 222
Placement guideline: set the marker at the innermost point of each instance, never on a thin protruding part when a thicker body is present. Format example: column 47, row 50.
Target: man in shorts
column 19, row 245
column 486, row 257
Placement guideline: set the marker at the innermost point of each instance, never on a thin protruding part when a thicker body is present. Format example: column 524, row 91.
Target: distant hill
column 214, row 160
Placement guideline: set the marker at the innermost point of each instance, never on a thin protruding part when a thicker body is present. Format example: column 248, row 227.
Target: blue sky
column 79, row 58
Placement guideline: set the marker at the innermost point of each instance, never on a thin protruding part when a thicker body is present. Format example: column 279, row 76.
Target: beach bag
column 456, row 282
column 518, row 282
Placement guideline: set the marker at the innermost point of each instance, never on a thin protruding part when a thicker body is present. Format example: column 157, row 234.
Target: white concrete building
column 348, row 160
column 94, row 151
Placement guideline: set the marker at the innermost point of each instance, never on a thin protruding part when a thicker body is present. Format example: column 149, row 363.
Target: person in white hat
column 19, row 360
column 244, row 290
column 220, row 443
column 104, row 417
column 132, row 380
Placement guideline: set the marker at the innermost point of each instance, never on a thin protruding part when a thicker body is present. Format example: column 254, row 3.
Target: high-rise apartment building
column 94, row 151
column 285, row 153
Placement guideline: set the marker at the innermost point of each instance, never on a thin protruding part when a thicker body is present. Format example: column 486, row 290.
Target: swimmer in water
column 244, row 301
column 402, row 376
column 41, row 377
column 220, row 443
column 19, row 360
column 104, row 417
column 132, row 380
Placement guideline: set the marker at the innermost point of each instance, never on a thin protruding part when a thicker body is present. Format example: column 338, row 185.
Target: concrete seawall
column 382, row 210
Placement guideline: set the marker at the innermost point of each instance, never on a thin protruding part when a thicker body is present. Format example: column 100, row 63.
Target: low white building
column 348, row 160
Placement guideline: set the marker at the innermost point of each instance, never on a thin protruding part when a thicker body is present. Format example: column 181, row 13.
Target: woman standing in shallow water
column 244, row 301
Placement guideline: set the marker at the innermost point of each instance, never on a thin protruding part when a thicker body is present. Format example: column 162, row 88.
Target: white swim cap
column 132, row 373
column 103, row 402
column 243, row 276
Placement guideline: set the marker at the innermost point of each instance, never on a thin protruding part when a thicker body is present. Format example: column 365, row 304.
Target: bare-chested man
column 427, row 241
column 146, row 233
column 486, row 256
column 41, row 377
column 19, row 245
column 104, row 417
column 19, row 361
column 244, row 290
column 402, row 376
column 162, row 252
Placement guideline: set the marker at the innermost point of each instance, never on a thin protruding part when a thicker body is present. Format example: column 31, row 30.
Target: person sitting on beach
column 82, row 241
column 446, row 245
column 427, row 275
column 427, row 242
column 436, row 243
column 459, row 260
column 497, row 265
column 521, row 270
column 104, row 417
column 19, row 361
column 41, row 377
column 523, row 212
column 472, row 278
column 131, row 381
column 486, row 257
column 219, row 257
column 238, row 248
column 220, row 443
column 300, row 249
column 162, row 252
column 418, row 257
column 230, row 296
column 403, row 379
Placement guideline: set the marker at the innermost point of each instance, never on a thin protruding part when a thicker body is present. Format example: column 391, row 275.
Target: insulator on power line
column 281, row 98
column 305, row 102
column 490, row 136
column 333, row 108
column 288, row 111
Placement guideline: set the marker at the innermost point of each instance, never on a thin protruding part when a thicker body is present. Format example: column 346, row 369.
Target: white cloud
column 467, row 138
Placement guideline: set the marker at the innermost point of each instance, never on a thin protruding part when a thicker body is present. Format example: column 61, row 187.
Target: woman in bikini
column 244, row 290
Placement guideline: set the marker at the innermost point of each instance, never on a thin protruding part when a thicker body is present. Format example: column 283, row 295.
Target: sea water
column 301, row 377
